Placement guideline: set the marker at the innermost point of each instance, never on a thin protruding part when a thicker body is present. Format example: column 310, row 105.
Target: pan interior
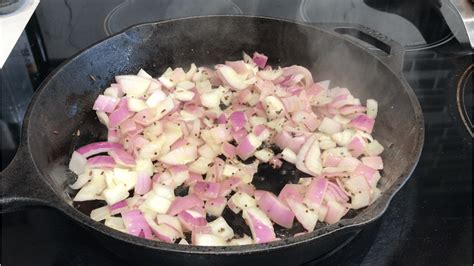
column 61, row 119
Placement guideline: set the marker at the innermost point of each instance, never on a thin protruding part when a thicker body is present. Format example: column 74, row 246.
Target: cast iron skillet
column 38, row 174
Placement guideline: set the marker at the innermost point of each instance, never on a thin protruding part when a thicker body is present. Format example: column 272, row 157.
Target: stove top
column 429, row 222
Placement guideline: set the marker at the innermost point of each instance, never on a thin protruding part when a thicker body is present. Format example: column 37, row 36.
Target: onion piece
column 247, row 146
column 200, row 166
column 260, row 225
column 276, row 210
column 143, row 184
column 118, row 207
column 294, row 70
column 112, row 135
column 270, row 75
column 360, row 200
column 193, row 177
column 337, row 193
column 122, row 157
column 351, row 109
column 372, row 108
column 115, row 194
column 274, row 108
column 120, row 114
column 228, row 150
column 241, row 201
column 216, row 206
column 300, row 158
column 78, row 163
column 246, row 188
column 163, row 232
column 312, row 160
column 343, row 138
column 191, row 219
column 245, row 240
column 179, row 174
column 315, row 193
column 363, row 122
column 155, row 98
column 348, row 164
column 221, row 228
column 100, row 213
column 115, row 223
column 260, row 59
column 238, row 66
column 335, row 212
column 232, row 78
column 172, row 221
column 97, row 147
column 207, row 239
column 374, row 148
column 180, row 156
column 293, row 141
column 133, row 85
column 365, row 171
column 356, row 183
column 156, row 203
column 114, row 91
column 306, row 216
column 237, row 120
column 81, row 180
column 101, row 161
column 180, row 204
column 105, row 104
column 374, row 162
column 136, row 224
column 92, row 189
column 291, row 190
column 205, row 190
column 264, row 155
column 136, row 105
column 332, row 161
column 356, row 146
column 329, row 126
column 228, row 185
column 103, row 118
column 288, row 155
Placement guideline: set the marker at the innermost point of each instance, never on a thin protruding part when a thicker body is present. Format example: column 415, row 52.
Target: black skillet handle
column 21, row 185
column 387, row 50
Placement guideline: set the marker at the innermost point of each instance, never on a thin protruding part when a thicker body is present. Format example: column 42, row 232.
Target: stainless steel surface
column 463, row 31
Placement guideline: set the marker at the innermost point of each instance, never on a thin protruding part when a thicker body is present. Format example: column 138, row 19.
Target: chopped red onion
column 97, row 147
column 191, row 219
column 260, row 59
column 260, row 225
column 136, row 224
column 275, row 209
column 363, row 122
column 237, row 120
column 120, row 114
column 122, row 157
column 180, row 204
column 315, row 193
column 118, row 207
column 205, row 190
column 105, row 103
column 143, row 184
column 101, row 161
column 191, row 131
